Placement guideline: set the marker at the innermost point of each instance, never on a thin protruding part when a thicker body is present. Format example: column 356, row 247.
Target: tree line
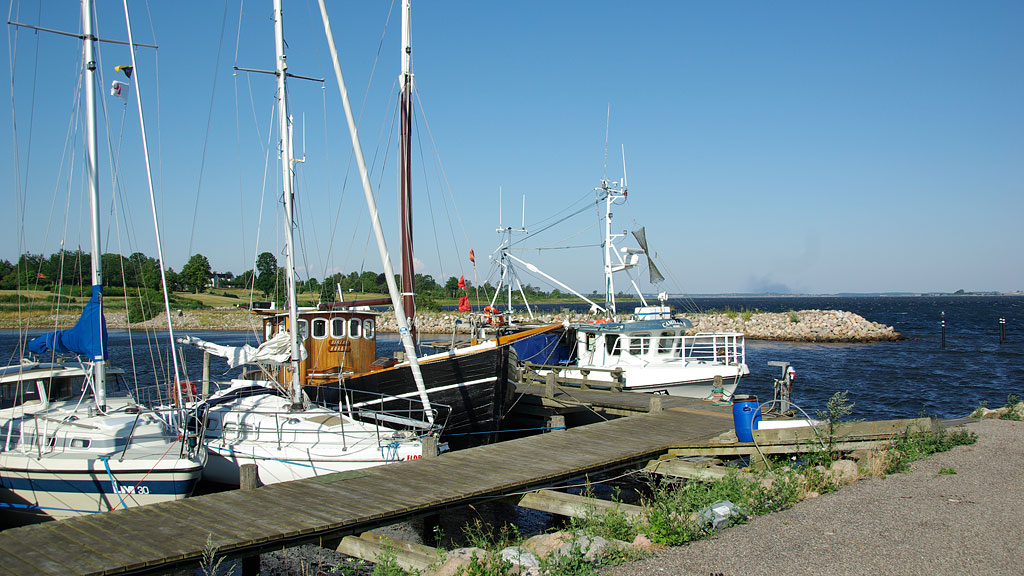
column 73, row 268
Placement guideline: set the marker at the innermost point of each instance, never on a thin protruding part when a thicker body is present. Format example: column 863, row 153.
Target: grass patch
column 913, row 446
column 946, row 471
column 1012, row 413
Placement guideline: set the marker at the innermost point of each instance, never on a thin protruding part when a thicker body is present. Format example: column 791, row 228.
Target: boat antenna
column 607, row 121
column 624, row 167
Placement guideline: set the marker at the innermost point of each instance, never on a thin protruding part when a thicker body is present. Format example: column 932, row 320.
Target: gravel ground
column 920, row 522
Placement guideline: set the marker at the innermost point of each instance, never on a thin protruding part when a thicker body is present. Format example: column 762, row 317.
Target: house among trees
column 220, row 280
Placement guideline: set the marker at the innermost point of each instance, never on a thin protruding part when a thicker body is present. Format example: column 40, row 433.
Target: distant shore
column 801, row 326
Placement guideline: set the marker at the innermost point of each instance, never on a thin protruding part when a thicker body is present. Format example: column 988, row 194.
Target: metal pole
column 943, row 330
column 1002, row 330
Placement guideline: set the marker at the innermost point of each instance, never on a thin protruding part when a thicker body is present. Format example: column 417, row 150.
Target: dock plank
column 165, row 535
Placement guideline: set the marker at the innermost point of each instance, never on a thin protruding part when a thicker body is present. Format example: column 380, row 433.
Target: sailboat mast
column 99, row 366
column 285, row 133
column 371, row 204
column 405, row 170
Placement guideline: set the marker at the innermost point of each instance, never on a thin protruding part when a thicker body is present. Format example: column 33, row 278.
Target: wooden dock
column 170, row 536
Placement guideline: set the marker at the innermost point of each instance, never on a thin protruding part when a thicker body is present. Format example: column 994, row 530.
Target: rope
column 113, row 482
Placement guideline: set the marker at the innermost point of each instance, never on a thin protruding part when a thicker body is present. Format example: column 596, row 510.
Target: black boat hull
column 470, row 392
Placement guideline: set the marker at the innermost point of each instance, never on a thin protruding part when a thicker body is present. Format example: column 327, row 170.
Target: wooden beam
column 685, row 469
column 565, row 504
column 371, row 547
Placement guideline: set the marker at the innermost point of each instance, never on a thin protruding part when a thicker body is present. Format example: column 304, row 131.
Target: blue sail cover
column 87, row 338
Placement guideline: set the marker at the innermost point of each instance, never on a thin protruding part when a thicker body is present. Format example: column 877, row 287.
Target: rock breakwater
column 802, row 325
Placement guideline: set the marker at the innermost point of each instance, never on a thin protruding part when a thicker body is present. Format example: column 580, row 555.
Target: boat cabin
column 337, row 342
column 40, row 385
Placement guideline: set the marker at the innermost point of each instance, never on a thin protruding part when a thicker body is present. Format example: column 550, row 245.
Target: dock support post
column 249, row 479
column 655, row 405
column 206, row 374
column 429, row 446
column 555, row 423
column 549, row 385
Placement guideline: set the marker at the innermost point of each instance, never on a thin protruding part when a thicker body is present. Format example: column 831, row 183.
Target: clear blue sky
column 785, row 146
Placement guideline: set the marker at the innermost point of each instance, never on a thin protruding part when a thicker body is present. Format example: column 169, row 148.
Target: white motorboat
column 648, row 352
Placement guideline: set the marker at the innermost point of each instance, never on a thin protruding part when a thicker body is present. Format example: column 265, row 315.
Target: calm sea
column 885, row 380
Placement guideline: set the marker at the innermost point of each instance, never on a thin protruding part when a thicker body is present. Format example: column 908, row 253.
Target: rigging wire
column 209, row 122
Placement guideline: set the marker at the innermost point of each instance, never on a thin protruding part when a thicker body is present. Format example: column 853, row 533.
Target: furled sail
column 276, row 350
column 88, row 337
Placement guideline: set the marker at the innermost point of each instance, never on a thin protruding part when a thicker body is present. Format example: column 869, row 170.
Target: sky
column 785, row 147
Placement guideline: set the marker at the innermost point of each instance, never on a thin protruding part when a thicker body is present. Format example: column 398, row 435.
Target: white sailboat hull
column 63, row 487
column 285, row 445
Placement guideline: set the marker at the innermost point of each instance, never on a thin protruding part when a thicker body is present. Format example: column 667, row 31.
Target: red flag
column 462, row 282
column 472, row 257
column 464, row 304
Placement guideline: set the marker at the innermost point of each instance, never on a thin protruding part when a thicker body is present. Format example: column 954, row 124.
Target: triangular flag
column 126, row 69
column 472, row 257
column 462, row 282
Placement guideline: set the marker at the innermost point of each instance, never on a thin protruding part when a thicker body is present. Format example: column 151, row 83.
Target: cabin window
column 355, row 328
column 80, row 443
column 368, row 328
column 611, row 344
column 16, row 394
column 337, row 328
column 58, row 389
column 268, row 330
column 319, row 328
column 665, row 342
column 303, row 329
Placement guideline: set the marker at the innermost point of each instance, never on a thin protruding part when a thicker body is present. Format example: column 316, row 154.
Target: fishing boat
column 74, row 442
column 467, row 390
column 267, row 419
column 649, row 351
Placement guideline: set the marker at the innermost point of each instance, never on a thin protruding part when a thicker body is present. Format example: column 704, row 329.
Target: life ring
column 185, row 389
column 493, row 316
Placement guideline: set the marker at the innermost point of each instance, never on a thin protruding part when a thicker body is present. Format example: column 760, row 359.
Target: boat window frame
column 639, row 343
column 671, row 338
column 303, row 325
column 343, row 333
column 612, row 344
column 369, row 330
column 322, row 323
column 357, row 324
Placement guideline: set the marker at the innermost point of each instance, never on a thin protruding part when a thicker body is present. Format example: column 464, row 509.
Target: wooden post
column 556, row 421
column 429, row 446
column 249, row 479
column 655, row 405
column 549, row 385
column 206, row 374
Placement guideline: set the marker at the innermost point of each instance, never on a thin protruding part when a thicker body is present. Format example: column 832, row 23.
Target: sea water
column 903, row 379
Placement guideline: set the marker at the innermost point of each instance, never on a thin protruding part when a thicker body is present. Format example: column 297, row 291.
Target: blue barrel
column 745, row 415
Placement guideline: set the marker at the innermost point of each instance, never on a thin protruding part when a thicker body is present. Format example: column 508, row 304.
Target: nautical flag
column 472, row 257
column 126, row 69
column 462, row 282
column 119, row 89
column 464, row 304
